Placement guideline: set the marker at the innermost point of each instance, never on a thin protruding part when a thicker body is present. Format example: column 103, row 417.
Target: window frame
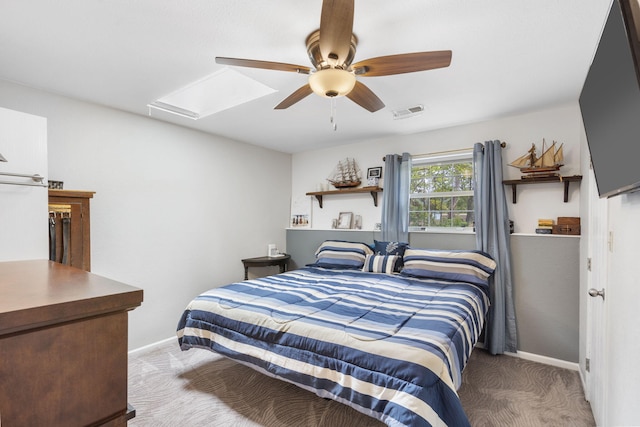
column 458, row 156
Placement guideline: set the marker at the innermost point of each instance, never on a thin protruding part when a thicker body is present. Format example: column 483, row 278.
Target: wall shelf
column 372, row 190
column 564, row 179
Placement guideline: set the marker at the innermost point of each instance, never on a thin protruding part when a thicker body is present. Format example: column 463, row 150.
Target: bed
column 386, row 333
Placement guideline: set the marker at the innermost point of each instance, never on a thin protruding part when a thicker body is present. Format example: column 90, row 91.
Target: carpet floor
column 168, row 387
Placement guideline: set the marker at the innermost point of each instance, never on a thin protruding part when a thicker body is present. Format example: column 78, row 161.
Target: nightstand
column 265, row 261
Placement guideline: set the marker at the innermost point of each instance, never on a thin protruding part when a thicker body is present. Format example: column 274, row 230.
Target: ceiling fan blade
column 364, row 97
column 267, row 65
column 336, row 28
column 296, row 96
column 403, row 63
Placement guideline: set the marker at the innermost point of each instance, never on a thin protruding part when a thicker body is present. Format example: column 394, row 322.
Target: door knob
column 596, row 293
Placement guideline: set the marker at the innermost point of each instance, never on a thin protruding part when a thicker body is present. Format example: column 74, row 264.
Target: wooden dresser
column 63, row 346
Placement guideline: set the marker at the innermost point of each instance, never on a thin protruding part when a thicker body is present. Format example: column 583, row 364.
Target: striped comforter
column 390, row 346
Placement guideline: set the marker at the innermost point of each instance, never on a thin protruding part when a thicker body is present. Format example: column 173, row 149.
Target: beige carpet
column 508, row 391
column 168, row 387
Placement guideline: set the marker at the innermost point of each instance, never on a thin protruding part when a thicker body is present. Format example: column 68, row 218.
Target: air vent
column 404, row 113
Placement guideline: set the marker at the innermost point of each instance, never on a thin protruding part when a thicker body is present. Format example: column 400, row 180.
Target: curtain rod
column 460, row 150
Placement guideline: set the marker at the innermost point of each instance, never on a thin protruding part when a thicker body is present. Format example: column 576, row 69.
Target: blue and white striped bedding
column 390, row 346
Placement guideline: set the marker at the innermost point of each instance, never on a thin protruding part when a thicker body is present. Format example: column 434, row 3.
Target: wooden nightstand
column 265, row 261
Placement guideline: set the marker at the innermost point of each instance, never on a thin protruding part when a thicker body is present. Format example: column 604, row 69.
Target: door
column 23, row 208
column 598, row 249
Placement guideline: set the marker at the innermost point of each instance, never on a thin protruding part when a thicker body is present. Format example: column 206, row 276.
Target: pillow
column 381, row 263
column 341, row 254
column 461, row 266
column 389, row 248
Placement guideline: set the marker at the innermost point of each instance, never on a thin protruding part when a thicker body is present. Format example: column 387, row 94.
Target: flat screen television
column 610, row 102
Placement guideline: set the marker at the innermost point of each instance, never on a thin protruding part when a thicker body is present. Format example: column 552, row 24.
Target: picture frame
column 345, row 219
column 300, row 221
column 374, row 172
column 300, row 212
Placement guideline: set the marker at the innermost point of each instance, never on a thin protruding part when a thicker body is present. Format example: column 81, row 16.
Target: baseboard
column 151, row 346
column 521, row 354
column 538, row 358
column 545, row 360
column 583, row 380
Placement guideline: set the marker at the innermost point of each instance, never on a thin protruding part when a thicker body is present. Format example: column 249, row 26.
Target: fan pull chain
column 332, row 114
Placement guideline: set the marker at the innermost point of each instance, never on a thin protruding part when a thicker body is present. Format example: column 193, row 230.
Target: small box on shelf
column 568, row 220
column 568, row 229
column 569, row 225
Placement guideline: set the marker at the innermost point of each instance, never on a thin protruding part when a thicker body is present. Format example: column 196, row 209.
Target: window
column 441, row 191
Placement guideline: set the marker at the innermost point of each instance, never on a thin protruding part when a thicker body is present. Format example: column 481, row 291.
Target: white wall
column 561, row 123
column 23, row 209
column 175, row 210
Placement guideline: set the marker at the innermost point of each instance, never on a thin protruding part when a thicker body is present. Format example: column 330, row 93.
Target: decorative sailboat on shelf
column 547, row 164
column 346, row 174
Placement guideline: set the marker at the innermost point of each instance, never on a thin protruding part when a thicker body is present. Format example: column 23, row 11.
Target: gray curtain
column 492, row 236
column 395, row 197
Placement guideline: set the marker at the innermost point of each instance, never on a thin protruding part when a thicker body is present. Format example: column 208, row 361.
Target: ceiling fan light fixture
column 332, row 82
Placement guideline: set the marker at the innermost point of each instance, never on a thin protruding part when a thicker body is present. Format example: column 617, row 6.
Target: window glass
column 441, row 192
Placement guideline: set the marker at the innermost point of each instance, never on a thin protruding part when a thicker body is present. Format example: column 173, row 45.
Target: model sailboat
column 547, row 164
column 346, row 174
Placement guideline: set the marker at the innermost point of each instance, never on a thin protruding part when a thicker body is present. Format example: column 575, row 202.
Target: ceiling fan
column 332, row 49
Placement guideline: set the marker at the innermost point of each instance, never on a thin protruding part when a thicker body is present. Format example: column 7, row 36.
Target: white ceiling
column 509, row 57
